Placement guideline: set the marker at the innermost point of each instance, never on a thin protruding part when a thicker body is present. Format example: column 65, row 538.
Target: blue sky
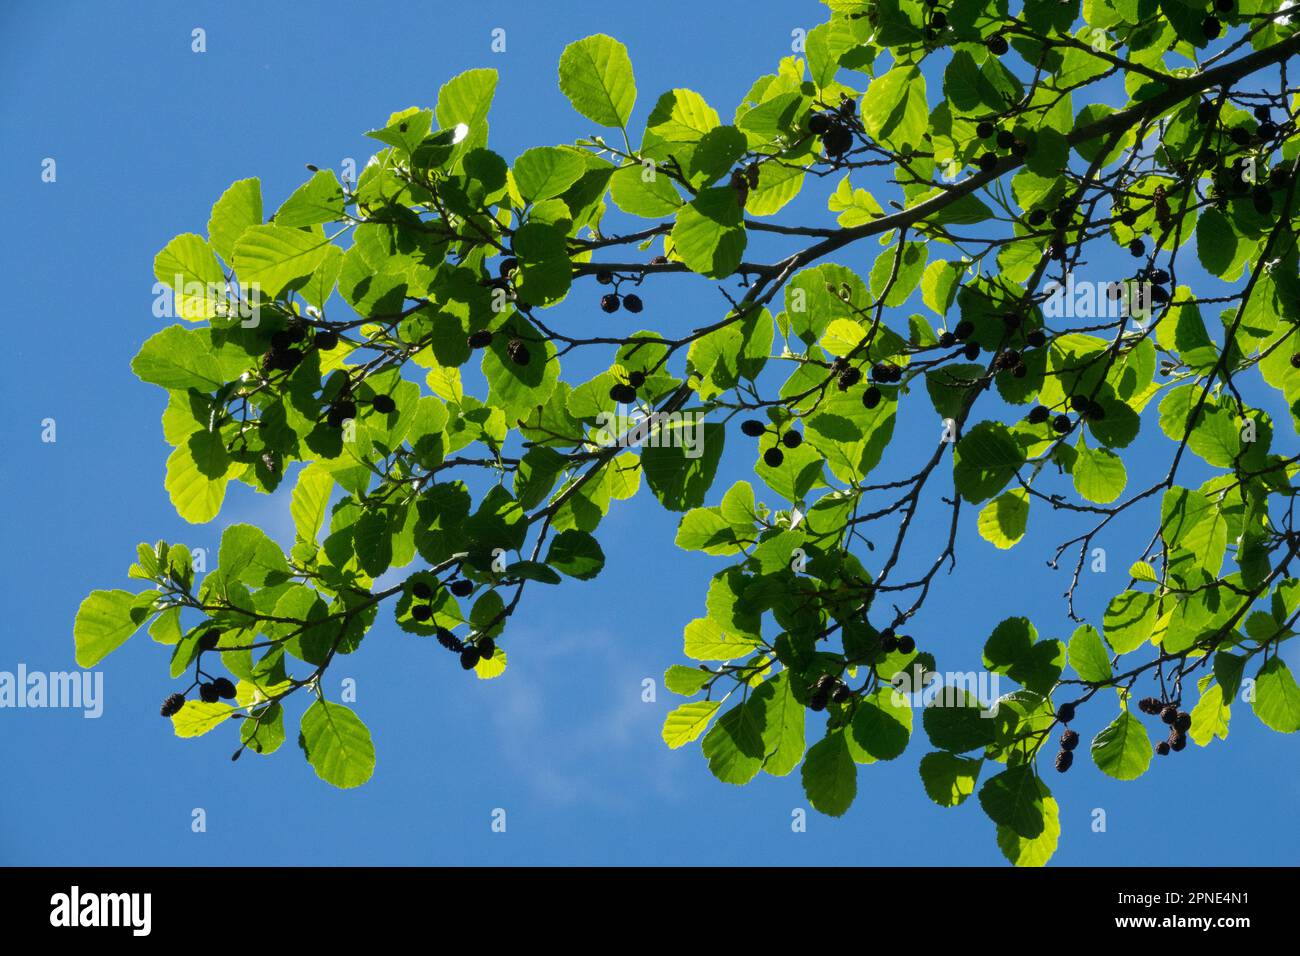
column 146, row 135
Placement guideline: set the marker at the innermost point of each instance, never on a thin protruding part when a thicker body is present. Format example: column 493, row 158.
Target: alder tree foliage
column 1159, row 133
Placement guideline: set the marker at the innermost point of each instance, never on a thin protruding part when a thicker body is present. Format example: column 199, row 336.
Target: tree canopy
column 392, row 349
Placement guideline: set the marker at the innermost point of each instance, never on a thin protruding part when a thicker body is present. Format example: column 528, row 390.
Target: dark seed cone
column 469, row 658
column 818, row 700
column 1183, row 722
column 752, row 427
column 1162, row 748
column 224, row 688
column 906, row 644
column 1065, row 713
column 1177, row 742
column 487, row 648
column 1069, row 739
column 208, row 693
column 1169, row 713
column 172, row 705
column 1064, row 760
column 461, row 587
column 841, row 694
column 1149, row 705
column 449, row 640
column 518, row 352
column 837, row 141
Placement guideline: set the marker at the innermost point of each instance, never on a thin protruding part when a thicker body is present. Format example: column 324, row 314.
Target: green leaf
column 1003, row 520
column 1012, row 799
column 547, row 171
column 1033, row 851
column 830, row 777
column 949, row 779
column 783, row 724
column 1122, row 749
column 466, row 99
column 179, row 358
column 1142, row 571
column 685, row 723
column 984, row 460
column 967, row 89
column 955, row 721
column 596, row 76
column 518, row 389
column 318, row 200
column 489, row 668
column 939, row 284
column 310, row 499
column 1210, row 717
column 265, row 734
column 1011, row 650
column 681, row 468
column 705, row 529
column 1099, row 474
column 103, row 624
column 576, row 554
column 1277, row 698
column 337, row 744
column 1221, row 251
column 545, row 272
column 239, row 207
column 641, row 191
column 196, row 477
column 705, row 640
column 719, row 149
column 709, row 234
column 1129, row 620
column 187, row 258
column 273, row 257
column 686, row 681
column 1088, row 654
column 248, row 555
column 196, row 718
column 880, row 728
column 734, row 747
column 372, row 540
column 1228, row 670
column 904, row 268
column 894, row 108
